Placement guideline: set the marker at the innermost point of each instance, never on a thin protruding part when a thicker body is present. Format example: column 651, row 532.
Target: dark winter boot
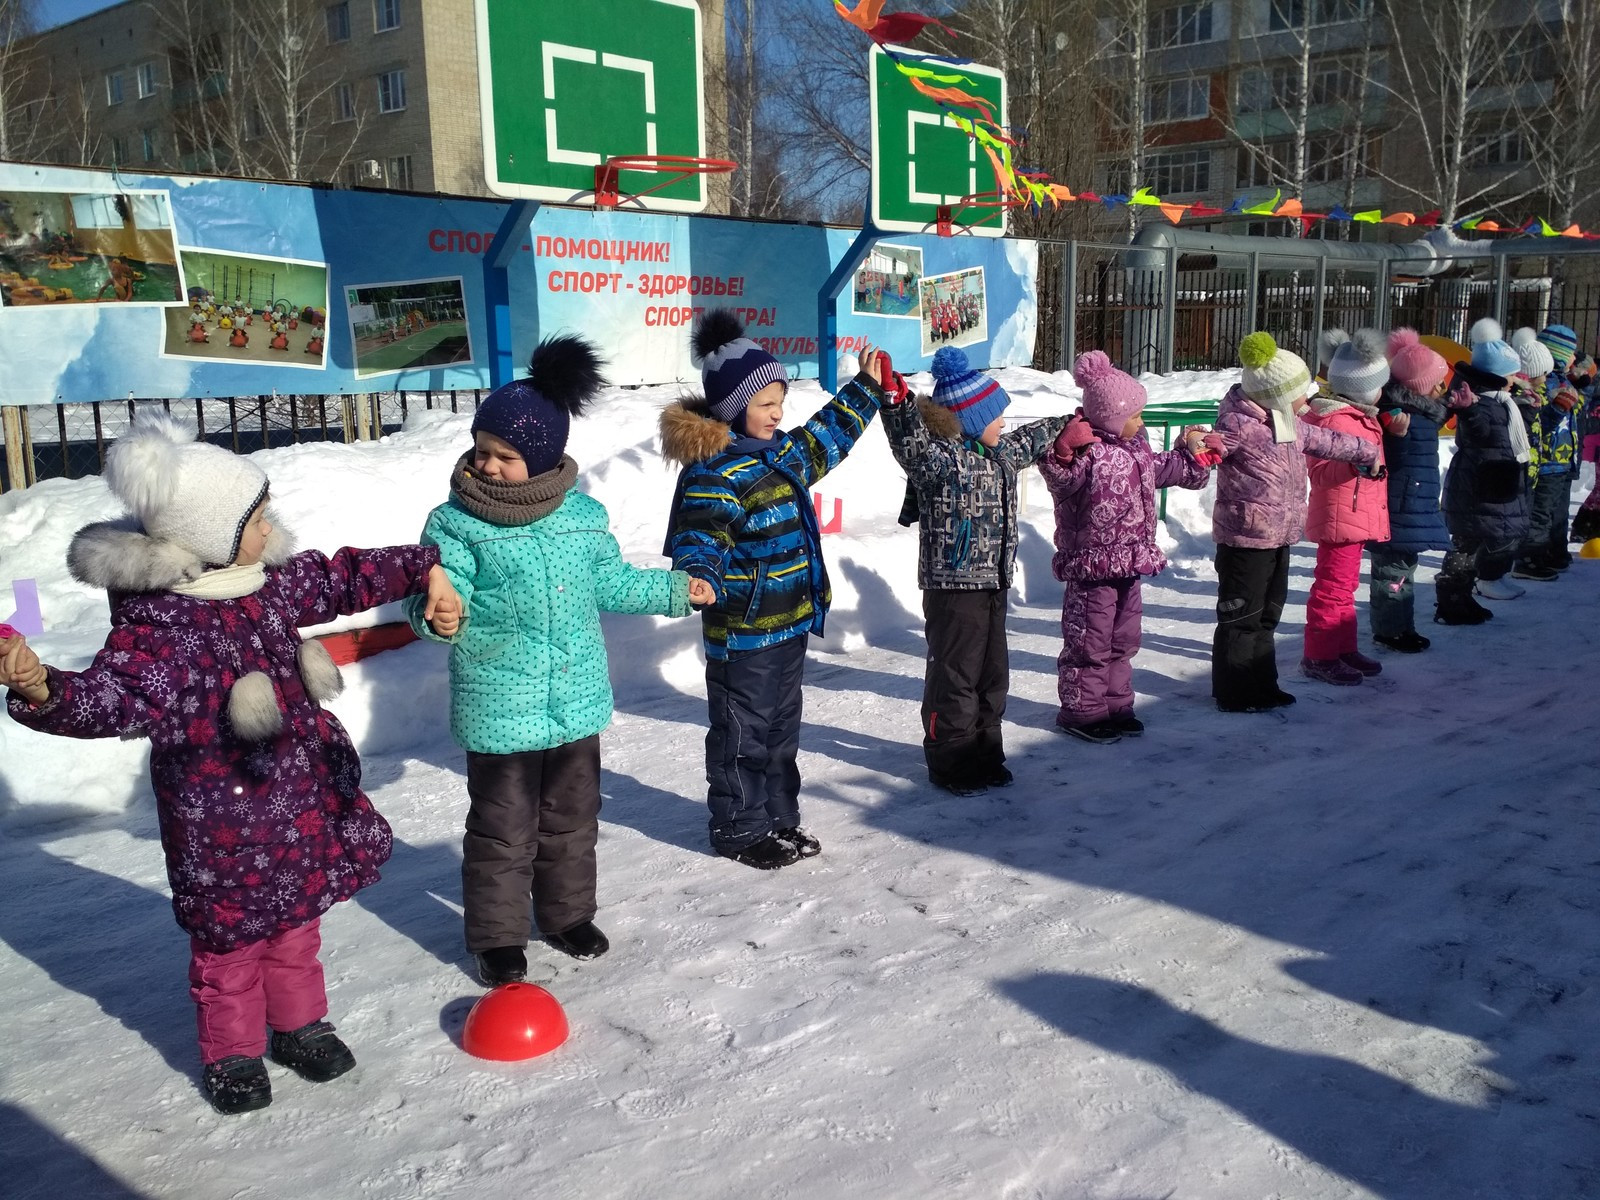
column 1530, row 568
column 1456, row 606
column 581, row 941
column 805, row 845
column 312, row 1052
column 1127, row 724
column 768, row 854
column 1331, row 670
column 1367, row 666
column 1000, row 776
column 1100, row 733
column 504, row 964
column 1409, row 642
column 237, row 1084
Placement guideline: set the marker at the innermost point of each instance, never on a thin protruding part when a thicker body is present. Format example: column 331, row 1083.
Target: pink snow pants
column 237, row 994
column 1100, row 626
column 1331, row 603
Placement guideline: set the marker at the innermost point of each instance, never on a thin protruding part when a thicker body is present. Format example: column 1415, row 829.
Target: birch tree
column 1561, row 126
column 18, row 71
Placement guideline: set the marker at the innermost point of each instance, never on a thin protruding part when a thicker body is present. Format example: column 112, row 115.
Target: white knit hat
column 192, row 494
column 1273, row 377
column 1537, row 361
column 1360, row 367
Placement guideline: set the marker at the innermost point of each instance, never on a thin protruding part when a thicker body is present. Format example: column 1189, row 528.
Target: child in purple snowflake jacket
column 263, row 821
column 1103, row 477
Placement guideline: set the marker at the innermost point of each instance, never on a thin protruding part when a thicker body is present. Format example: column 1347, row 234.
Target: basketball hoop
column 999, row 202
column 676, row 167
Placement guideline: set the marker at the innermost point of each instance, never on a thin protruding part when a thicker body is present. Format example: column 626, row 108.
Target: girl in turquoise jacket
column 535, row 564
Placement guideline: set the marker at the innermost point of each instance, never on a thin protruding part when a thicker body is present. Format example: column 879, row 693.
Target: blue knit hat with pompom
column 974, row 398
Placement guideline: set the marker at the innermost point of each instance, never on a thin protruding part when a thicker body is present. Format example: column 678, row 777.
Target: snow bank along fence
column 69, row 441
column 1181, row 299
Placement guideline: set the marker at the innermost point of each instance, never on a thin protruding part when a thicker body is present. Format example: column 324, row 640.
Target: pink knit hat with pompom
column 1110, row 396
column 1413, row 364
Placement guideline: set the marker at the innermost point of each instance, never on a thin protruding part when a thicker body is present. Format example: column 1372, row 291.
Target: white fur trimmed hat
column 192, row 494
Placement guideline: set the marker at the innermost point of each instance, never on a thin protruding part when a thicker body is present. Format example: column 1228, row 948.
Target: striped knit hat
column 732, row 366
column 1562, row 342
column 1273, row 378
column 1359, row 368
column 974, row 398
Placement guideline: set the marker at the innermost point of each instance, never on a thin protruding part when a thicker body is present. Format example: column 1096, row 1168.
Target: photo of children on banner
column 87, row 248
column 249, row 309
column 886, row 284
column 955, row 311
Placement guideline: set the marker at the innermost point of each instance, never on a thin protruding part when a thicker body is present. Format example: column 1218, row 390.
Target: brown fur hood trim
column 689, row 433
column 941, row 422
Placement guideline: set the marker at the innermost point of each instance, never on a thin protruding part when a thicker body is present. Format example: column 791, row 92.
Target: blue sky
column 59, row 12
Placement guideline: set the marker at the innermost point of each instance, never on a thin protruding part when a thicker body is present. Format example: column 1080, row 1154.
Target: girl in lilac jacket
column 258, row 788
column 1260, row 512
column 1103, row 477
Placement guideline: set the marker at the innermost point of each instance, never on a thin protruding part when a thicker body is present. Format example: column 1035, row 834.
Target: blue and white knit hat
column 974, row 398
column 1562, row 342
column 1491, row 352
column 732, row 366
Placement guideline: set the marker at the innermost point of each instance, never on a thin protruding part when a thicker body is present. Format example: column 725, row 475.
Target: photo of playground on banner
column 87, row 248
column 955, row 310
column 886, row 284
column 410, row 324
column 246, row 308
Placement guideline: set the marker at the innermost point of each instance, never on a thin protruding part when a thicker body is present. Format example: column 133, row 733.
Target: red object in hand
column 897, row 387
column 7, row 633
column 513, row 1022
column 1566, row 399
column 1207, row 458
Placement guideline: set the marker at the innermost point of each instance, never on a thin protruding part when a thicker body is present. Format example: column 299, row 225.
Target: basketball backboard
column 568, row 84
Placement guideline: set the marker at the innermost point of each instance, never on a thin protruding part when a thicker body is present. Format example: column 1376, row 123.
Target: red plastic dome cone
column 514, row 1021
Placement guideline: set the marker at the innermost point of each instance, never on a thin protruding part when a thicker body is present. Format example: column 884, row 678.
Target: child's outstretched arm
column 352, row 581
column 125, row 690
column 1068, row 465
column 702, row 537
column 1321, row 442
column 621, row 587
column 821, row 444
column 924, row 458
column 1180, row 466
column 1023, row 447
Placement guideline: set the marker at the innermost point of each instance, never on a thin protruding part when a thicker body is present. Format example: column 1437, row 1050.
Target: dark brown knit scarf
column 511, row 503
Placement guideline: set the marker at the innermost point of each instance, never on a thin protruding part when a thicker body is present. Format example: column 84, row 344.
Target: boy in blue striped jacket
column 742, row 520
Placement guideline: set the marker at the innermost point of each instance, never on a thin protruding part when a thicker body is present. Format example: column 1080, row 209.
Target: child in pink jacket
column 1349, row 506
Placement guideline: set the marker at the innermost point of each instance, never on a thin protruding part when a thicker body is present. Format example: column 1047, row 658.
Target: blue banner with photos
column 116, row 285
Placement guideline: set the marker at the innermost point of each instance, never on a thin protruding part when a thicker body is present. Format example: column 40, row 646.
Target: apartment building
column 1219, row 95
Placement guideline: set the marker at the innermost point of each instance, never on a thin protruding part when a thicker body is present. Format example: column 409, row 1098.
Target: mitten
column 1460, row 396
column 1566, row 399
column 1395, row 422
column 1214, row 443
column 897, row 388
column 1075, row 434
column 1375, row 471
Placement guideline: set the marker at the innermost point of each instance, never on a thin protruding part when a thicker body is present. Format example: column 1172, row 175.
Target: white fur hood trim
column 120, row 556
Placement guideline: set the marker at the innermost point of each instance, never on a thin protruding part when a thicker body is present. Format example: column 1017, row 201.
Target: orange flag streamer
column 865, row 14
column 1173, row 212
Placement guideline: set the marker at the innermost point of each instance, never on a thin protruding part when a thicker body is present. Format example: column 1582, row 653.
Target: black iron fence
column 69, row 441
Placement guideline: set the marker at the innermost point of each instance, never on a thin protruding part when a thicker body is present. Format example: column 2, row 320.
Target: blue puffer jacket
column 742, row 519
column 1415, row 522
column 528, row 669
column 1557, row 431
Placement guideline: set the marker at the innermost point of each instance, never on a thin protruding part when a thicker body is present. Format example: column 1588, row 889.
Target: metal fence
column 1189, row 311
column 69, row 441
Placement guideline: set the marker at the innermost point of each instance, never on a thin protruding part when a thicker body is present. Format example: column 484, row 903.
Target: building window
column 1177, row 100
column 339, row 21
column 1330, row 158
column 1297, row 14
column 1180, row 25
column 1175, row 172
column 344, row 102
column 391, row 91
column 119, row 151
column 146, row 77
column 149, row 136
column 1259, row 167
column 114, row 88
column 1264, row 89
column 1507, row 147
column 400, row 172
column 387, row 14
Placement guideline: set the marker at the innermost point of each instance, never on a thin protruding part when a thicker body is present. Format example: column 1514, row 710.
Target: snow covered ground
column 1343, row 951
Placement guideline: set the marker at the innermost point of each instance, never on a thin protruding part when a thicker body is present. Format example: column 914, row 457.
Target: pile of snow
column 1345, row 950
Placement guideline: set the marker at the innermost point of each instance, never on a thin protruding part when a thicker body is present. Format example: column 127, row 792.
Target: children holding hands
column 535, row 563
column 258, row 788
column 961, row 490
column 743, row 522
column 1103, row 476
